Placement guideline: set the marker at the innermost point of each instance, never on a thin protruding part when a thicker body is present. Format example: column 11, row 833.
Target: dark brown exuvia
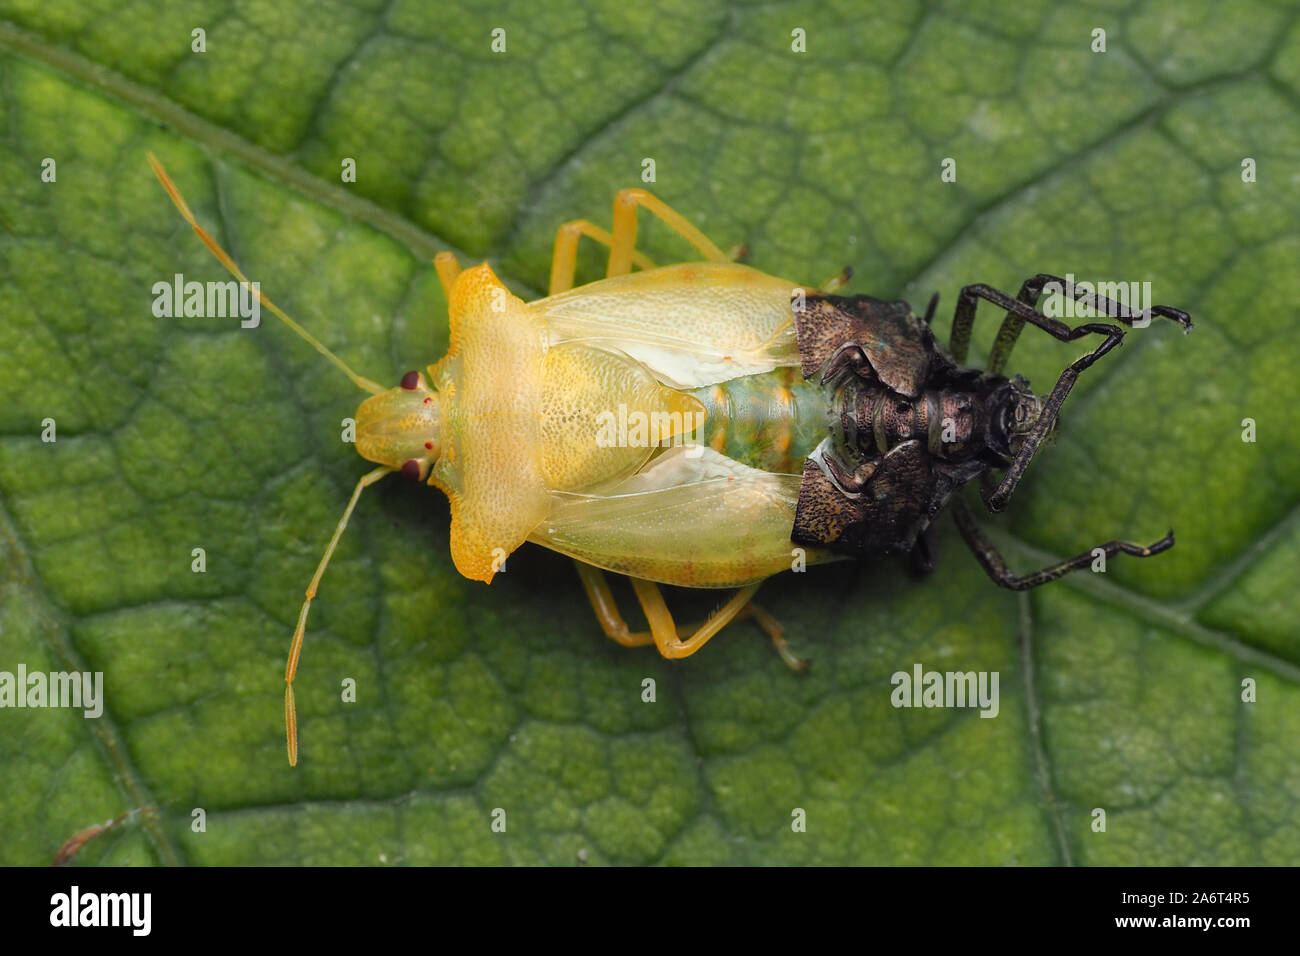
column 909, row 424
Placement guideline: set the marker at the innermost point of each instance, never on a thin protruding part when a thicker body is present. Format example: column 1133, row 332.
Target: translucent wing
column 693, row 324
column 694, row 518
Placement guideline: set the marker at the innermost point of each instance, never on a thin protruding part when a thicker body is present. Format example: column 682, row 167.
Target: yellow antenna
column 290, row 714
column 295, row 646
column 175, row 194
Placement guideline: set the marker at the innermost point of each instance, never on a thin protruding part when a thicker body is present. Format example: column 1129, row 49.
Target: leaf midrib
column 422, row 244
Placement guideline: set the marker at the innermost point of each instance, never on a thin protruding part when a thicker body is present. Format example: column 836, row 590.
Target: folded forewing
column 694, row 518
column 692, row 324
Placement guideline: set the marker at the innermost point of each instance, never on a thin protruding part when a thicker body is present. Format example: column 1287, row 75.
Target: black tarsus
column 997, row 569
column 963, row 319
column 929, row 309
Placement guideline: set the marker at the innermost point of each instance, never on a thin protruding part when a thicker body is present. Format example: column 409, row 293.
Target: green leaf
column 1121, row 692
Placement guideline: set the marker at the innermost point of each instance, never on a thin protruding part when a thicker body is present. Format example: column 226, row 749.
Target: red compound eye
column 411, row 469
column 410, row 380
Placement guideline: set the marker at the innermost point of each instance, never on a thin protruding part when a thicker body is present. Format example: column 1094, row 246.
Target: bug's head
column 400, row 428
column 1013, row 411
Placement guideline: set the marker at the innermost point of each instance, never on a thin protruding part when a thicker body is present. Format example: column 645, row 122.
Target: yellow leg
column 772, row 628
column 665, row 631
column 564, row 261
column 835, row 281
column 623, row 254
column 448, row 268
column 623, row 241
column 606, row 608
column 295, row 648
column 615, row 628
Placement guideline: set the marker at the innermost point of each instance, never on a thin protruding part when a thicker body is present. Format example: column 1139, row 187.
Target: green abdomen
column 770, row 421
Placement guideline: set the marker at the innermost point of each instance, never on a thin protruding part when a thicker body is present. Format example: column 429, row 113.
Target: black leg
column 964, row 320
column 1009, row 330
column 1030, row 290
column 929, row 309
column 997, row 569
column 921, row 558
column 1058, row 330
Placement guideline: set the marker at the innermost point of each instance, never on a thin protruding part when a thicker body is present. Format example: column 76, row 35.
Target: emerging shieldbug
column 692, row 424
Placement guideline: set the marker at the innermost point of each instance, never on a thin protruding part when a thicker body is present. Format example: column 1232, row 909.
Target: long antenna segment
column 359, row 380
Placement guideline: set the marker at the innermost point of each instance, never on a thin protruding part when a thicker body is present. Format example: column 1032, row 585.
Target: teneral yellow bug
column 702, row 424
